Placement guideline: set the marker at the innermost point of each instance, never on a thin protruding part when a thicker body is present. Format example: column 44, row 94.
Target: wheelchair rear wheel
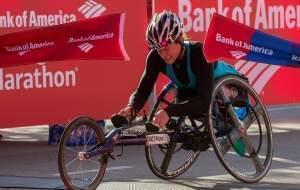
column 240, row 129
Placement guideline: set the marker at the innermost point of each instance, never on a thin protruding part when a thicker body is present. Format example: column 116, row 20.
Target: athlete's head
column 164, row 28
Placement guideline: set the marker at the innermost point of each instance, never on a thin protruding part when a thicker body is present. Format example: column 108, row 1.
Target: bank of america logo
column 85, row 47
column 21, row 53
column 259, row 74
column 238, row 54
column 91, row 9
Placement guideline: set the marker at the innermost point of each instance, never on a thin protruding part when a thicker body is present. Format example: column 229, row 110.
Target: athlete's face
column 170, row 52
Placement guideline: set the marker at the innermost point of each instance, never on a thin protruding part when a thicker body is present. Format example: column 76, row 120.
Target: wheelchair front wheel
column 80, row 135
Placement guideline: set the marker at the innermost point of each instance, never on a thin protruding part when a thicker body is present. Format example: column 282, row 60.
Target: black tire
column 164, row 153
column 81, row 178
column 253, row 164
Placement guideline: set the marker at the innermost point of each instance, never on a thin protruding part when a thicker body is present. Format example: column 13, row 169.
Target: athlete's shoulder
column 197, row 52
column 153, row 55
column 196, row 49
column 196, row 45
column 154, row 60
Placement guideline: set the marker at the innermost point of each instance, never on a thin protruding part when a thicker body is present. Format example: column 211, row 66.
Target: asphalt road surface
column 28, row 162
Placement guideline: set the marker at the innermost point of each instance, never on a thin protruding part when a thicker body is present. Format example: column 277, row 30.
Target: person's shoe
column 118, row 121
column 150, row 127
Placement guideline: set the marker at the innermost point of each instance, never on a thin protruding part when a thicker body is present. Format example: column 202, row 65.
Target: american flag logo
column 91, row 9
column 86, row 47
column 259, row 74
column 238, row 54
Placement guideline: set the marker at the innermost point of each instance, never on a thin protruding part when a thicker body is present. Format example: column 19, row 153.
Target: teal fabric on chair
column 223, row 69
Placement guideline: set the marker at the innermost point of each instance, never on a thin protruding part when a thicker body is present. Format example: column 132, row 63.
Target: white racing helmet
column 164, row 28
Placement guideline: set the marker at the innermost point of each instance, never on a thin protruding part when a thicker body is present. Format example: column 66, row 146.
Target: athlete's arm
column 139, row 97
column 198, row 104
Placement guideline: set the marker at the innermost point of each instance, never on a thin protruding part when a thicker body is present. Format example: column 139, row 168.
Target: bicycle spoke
column 258, row 165
column 68, row 164
column 166, row 161
column 84, row 138
column 254, row 158
column 77, row 147
column 84, row 148
column 251, row 117
column 81, row 173
column 230, row 109
column 71, row 150
column 94, row 161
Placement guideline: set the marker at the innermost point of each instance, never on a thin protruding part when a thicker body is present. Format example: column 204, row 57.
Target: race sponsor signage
column 91, row 9
column 53, row 92
column 38, row 78
column 97, row 38
column 278, row 18
column 25, row 14
column 222, row 42
column 33, row 19
column 269, row 15
column 83, row 83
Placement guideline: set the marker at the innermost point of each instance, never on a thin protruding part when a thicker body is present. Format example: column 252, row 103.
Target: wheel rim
column 76, row 173
column 181, row 159
column 177, row 166
column 251, row 169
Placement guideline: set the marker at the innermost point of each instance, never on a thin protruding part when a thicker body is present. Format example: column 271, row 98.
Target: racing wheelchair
column 237, row 127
